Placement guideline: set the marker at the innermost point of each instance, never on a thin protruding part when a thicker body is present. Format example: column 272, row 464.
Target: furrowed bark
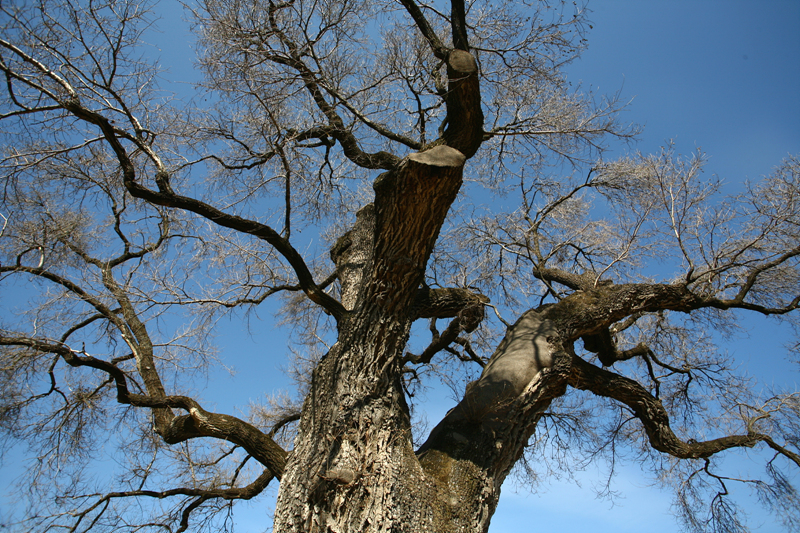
column 410, row 206
column 353, row 468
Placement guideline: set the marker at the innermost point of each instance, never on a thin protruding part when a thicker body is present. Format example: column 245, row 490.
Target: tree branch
column 240, row 493
column 458, row 23
column 654, row 418
column 444, row 302
column 438, row 49
column 198, row 423
column 166, row 196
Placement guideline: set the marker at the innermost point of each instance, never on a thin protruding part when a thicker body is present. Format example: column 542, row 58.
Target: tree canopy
column 418, row 195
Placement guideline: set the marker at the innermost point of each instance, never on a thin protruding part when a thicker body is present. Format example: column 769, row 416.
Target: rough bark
column 353, row 468
column 365, row 475
column 372, row 481
column 359, row 472
column 352, row 255
column 471, row 451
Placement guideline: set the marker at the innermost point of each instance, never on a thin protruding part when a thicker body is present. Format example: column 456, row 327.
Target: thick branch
column 464, row 122
column 444, row 303
column 574, row 281
column 198, row 423
column 587, row 312
column 476, row 444
column 464, row 113
column 202, row 423
column 654, row 417
column 411, row 204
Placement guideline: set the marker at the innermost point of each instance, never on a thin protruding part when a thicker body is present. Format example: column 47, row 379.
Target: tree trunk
column 353, row 467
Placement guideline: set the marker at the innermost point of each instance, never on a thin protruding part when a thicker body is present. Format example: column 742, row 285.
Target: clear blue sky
column 722, row 75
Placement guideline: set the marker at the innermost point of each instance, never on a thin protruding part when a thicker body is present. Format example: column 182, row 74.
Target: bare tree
column 357, row 121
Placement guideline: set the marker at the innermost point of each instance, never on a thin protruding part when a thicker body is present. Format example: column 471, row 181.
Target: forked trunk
column 354, row 469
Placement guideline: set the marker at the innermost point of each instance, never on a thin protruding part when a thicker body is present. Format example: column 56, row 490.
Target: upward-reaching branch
column 438, row 49
column 458, row 23
column 464, row 122
column 464, row 130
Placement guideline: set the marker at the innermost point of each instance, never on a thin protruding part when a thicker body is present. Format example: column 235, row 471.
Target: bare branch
column 654, row 417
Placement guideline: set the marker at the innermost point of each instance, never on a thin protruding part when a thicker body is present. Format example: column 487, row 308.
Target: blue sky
column 720, row 75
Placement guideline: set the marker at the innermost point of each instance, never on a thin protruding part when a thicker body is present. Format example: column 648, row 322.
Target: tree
column 140, row 222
